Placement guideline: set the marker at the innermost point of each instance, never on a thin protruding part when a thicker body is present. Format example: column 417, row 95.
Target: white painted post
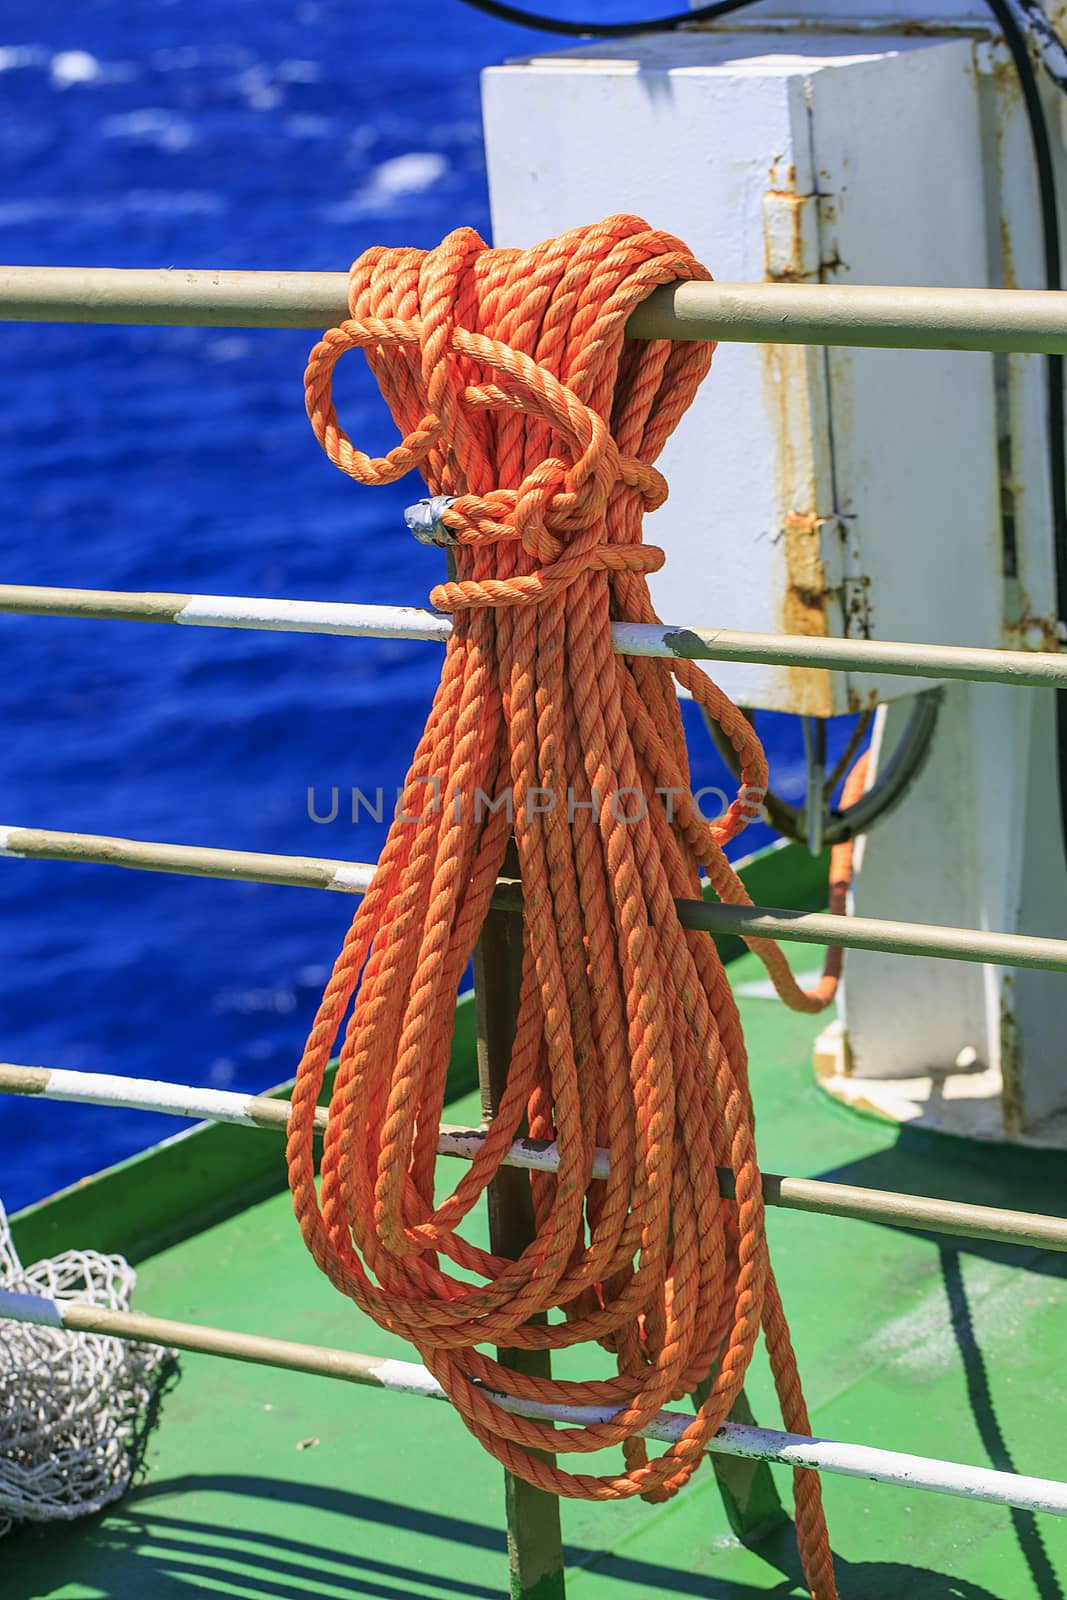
column 812, row 491
column 980, row 835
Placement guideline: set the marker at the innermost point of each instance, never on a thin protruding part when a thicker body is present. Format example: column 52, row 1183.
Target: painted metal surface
column 980, row 837
column 889, row 1467
column 938, row 1350
column 955, row 1218
column 790, row 927
column 535, row 1541
column 1017, row 668
column 812, row 492
column 247, row 866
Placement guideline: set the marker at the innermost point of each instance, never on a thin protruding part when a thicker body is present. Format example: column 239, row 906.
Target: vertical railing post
column 747, row 1488
column 535, row 1546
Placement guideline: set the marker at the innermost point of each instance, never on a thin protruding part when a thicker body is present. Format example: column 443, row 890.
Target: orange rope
column 509, row 378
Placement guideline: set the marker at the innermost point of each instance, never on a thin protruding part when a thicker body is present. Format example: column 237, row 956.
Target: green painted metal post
column 535, row 1544
column 749, row 1494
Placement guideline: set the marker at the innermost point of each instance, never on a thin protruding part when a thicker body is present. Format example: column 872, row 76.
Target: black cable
column 1057, row 450
column 1050, row 229
column 605, row 30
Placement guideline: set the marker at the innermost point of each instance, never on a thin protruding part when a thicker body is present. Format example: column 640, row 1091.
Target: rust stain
column 788, row 266
column 863, row 699
column 1032, row 632
column 1007, row 104
column 1023, row 628
column 782, row 180
column 784, row 373
column 1005, row 78
column 1007, row 261
column 804, row 610
column 804, row 607
column 918, row 29
column 791, row 237
column 856, row 607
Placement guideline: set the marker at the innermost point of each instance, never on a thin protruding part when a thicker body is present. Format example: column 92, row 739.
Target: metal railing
column 408, row 1377
column 1025, row 669
column 961, row 319
column 707, row 916
column 957, row 1218
column 1027, row 320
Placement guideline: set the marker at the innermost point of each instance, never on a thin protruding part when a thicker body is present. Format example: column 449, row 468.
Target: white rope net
column 75, row 1408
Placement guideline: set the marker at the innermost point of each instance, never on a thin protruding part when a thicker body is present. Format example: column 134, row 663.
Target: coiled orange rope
column 507, row 373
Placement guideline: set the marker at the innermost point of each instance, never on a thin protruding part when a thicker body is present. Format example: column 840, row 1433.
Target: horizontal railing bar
column 228, row 611
column 869, row 316
column 667, row 1427
column 194, row 861
column 957, row 1218
column 772, row 313
column 353, row 877
column 877, row 933
column 173, row 296
column 1023, row 668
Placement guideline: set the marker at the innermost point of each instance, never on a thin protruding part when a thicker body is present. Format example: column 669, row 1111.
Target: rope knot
column 559, row 511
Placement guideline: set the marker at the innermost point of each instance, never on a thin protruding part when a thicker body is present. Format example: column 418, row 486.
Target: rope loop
column 318, row 391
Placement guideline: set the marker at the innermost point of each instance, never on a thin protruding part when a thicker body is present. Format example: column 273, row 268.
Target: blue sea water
column 285, row 134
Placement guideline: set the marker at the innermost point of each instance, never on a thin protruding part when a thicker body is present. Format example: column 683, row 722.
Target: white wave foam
column 150, row 126
column 177, row 202
column 392, row 181
column 278, row 1001
column 259, row 92
column 14, row 56
column 69, row 67
column 234, row 347
column 107, row 208
column 408, row 174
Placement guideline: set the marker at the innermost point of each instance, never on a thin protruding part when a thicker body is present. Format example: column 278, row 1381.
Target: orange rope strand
column 508, row 376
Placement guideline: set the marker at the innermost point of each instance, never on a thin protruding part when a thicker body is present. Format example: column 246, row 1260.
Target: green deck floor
column 273, row 1486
